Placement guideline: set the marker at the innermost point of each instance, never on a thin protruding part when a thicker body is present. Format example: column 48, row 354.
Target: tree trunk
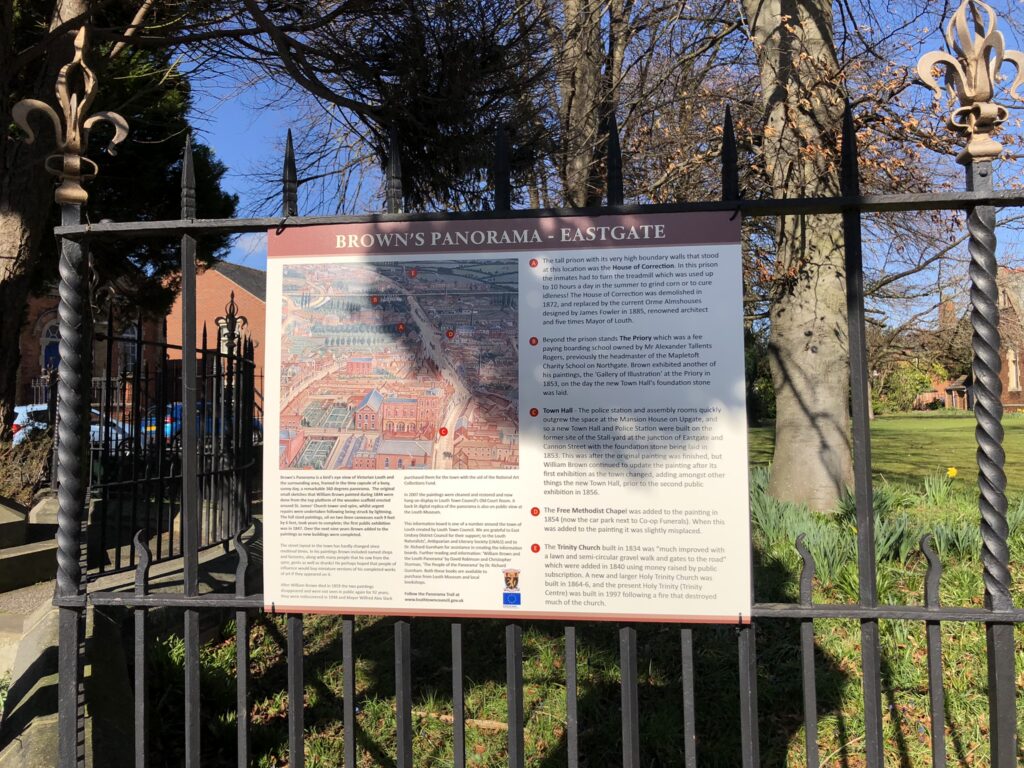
column 802, row 94
column 26, row 197
column 582, row 87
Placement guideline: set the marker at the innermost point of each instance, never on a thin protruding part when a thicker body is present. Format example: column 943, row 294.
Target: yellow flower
column 951, row 472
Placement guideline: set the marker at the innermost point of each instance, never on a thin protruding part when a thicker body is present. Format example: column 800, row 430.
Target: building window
column 126, row 347
column 50, row 347
column 1013, row 370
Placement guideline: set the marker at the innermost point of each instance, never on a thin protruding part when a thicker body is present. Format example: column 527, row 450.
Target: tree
column 639, row 62
column 802, row 97
column 902, row 386
column 28, row 67
column 35, row 42
column 562, row 68
column 438, row 77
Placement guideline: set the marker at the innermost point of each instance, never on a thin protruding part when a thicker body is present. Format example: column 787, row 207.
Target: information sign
column 535, row 417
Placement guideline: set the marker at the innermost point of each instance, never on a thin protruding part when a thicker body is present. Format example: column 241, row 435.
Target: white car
column 29, row 419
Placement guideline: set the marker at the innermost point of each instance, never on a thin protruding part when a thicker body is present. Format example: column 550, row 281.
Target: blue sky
column 243, row 133
column 246, row 135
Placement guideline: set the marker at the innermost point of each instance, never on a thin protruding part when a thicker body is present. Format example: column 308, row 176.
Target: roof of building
column 405, row 447
column 252, row 280
column 372, row 400
column 960, row 382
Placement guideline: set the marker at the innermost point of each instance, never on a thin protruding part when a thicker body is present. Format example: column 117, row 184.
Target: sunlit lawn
column 913, row 496
column 907, row 448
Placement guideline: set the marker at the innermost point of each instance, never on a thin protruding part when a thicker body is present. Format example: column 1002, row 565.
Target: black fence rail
column 136, row 444
column 998, row 618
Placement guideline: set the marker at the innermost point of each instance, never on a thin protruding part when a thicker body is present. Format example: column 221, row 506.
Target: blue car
column 169, row 423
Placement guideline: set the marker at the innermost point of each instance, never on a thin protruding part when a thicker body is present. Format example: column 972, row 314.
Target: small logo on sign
column 511, row 595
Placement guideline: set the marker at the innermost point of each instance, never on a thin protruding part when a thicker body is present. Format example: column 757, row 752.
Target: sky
column 246, row 134
column 242, row 132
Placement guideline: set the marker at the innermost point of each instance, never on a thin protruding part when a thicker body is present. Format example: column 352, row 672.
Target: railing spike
column 730, row 161
column 807, row 571
column 502, row 174
column 143, row 559
column 188, row 181
column 394, row 173
column 289, row 180
column 849, row 176
column 931, row 581
column 243, row 564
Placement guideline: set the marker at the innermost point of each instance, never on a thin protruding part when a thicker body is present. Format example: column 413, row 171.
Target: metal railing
column 136, row 446
column 45, row 385
column 998, row 616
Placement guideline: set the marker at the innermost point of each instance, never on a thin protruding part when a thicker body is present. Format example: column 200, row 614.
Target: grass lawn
column 912, row 496
column 907, row 448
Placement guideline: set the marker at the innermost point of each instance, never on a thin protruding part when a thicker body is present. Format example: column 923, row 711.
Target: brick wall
column 41, row 317
column 213, row 290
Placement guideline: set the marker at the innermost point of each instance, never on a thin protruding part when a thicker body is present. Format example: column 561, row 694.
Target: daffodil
column 951, row 472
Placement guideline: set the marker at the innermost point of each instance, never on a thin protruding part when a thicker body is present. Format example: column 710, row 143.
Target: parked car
column 207, row 422
column 29, row 419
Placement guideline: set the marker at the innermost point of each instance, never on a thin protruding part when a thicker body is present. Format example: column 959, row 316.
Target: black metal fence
column 998, row 616
column 136, row 424
column 135, row 447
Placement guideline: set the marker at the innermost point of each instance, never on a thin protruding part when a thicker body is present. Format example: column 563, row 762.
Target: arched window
column 126, row 347
column 1013, row 370
column 49, row 355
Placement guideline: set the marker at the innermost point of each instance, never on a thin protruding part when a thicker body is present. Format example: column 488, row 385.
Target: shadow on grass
column 716, row 688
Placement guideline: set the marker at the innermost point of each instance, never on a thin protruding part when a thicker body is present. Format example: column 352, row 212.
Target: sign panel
column 540, row 418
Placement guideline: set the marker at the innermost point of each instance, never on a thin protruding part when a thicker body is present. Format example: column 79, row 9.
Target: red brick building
column 39, row 335
column 368, row 412
column 486, row 448
column 214, row 287
column 418, row 414
column 359, row 366
column 39, row 346
column 404, row 454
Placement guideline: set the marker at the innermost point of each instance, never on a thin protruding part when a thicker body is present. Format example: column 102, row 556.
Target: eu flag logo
column 511, row 598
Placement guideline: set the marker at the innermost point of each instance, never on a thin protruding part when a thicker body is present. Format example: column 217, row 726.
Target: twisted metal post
column 976, row 53
column 988, row 407
column 72, row 407
column 71, row 129
column 393, row 181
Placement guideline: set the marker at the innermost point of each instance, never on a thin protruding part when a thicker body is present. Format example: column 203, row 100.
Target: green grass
column 910, row 500
column 908, row 447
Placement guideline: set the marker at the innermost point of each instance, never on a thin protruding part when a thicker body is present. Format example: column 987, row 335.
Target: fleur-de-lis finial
column 231, row 322
column 977, row 52
column 68, row 163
